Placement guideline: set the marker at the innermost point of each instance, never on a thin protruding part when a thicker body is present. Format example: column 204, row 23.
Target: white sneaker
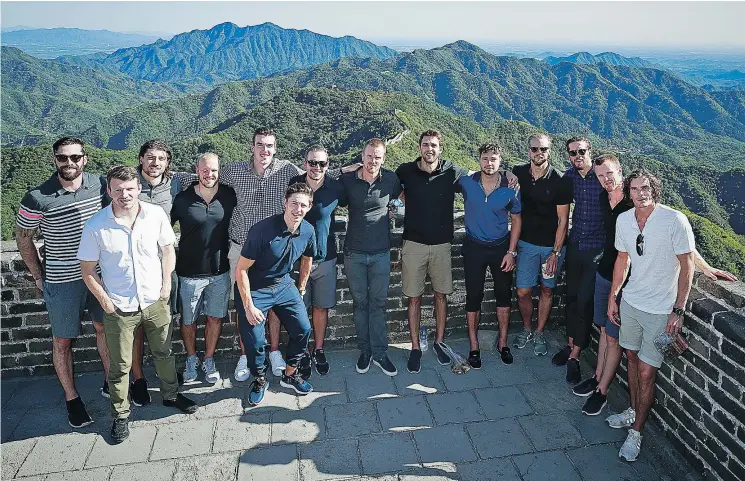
column 277, row 362
column 241, row 369
column 622, row 420
column 212, row 375
column 631, row 447
column 190, row 369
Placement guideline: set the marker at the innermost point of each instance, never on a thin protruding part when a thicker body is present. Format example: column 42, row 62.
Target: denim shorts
column 602, row 291
column 66, row 302
column 529, row 260
column 204, row 295
column 321, row 288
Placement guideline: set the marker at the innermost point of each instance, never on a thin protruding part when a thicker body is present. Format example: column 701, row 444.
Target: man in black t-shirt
column 203, row 210
column 546, row 196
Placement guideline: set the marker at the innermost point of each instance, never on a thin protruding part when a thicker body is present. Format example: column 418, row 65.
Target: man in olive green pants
column 132, row 243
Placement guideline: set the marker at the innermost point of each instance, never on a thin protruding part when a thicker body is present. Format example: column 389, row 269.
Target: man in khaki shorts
column 657, row 243
column 429, row 193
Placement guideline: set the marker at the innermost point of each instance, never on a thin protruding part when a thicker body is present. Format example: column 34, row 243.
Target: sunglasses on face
column 317, row 163
column 640, row 244
column 61, row 158
column 542, row 149
column 574, row 153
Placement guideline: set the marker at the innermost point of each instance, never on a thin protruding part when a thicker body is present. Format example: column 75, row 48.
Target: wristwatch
column 556, row 253
column 512, row 253
column 678, row 311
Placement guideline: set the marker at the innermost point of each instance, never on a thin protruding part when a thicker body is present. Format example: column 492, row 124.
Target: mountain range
column 609, row 58
column 52, row 42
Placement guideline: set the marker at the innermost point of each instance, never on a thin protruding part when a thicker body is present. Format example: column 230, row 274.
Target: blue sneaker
column 190, row 369
column 296, row 382
column 256, row 390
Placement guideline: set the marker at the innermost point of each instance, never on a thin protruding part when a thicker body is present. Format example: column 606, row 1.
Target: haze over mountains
column 341, row 91
column 53, row 42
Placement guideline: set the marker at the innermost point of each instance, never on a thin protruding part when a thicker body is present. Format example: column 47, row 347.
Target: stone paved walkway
column 509, row 423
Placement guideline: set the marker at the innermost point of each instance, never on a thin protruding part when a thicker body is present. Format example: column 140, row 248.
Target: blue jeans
column 369, row 276
column 284, row 299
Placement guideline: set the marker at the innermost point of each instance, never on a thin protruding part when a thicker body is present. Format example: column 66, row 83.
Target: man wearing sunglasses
column 584, row 250
column 57, row 209
column 320, row 291
column 546, row 195
column 656, row 242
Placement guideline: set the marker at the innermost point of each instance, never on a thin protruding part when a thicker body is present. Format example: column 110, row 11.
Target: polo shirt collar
column 359, row 174
column 544, row 176
column 442, row 166
column 84, row 184
column 284, row 229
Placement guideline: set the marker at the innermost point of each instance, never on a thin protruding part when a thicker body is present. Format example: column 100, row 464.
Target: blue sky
column 577, row 24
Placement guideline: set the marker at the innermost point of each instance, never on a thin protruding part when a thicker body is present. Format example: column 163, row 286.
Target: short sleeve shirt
column 653, row 283
column 129, row 258
column 326, row 199
column 204, row 242
column 274, row 249
column 368, row 230
column 430, row 198
column 540, row 197
column 610, row 216
column 486, row 217
column 60, row 216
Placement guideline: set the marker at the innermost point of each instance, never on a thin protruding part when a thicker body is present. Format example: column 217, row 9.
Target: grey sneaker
column 631, row 447
column 522, row 339
column 622, row 420
column 212, row 375
column 540, row 348
column 190, row 370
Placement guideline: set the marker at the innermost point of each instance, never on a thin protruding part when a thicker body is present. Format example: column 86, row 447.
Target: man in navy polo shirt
column 489, row 242
column 328, row 194
column 263, row 282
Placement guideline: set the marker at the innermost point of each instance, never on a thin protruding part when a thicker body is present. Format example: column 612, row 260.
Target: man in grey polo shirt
column 367, row 259
column 58, row 208
column 132, row 241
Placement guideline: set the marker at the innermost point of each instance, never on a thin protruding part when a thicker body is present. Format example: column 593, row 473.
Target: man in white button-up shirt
column 125, row 240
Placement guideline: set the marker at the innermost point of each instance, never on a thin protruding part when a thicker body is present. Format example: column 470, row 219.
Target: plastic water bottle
column 423, row 339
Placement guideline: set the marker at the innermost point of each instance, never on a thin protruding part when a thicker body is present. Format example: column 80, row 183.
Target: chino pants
column 369, row 276
column 285, row 300
column 581, row 267
column 119, row 328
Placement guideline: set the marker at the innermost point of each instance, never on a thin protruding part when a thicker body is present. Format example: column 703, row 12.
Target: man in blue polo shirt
column 489, row 242
column 328, row 194
column 263, row 282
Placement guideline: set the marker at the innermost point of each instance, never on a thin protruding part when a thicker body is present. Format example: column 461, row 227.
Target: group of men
column 110, row 249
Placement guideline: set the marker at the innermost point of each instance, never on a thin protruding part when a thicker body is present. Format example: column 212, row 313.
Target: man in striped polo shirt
column 58, row 208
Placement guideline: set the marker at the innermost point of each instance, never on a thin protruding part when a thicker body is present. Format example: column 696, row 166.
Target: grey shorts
column 204, row 295
column 638, row 330
column 66, row 303
column 321, row 288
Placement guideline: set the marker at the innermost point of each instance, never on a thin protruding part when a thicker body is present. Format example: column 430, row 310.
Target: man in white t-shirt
column 657, row 242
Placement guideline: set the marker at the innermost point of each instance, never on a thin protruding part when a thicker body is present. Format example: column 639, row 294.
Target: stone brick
column 7, row 295
column 738, row 469
column 8, row 322
column 734, row 352
column 35, row 359
column 36, row 319
column 727, row 424
column 15, row 348
column 732, row 326
column 695, row 377
column 29, row 294
column 723, row 438
column 24, row 307
column 727, row 367
column 706, row 308
column 40, row 345
column 727, row 403
column 38, row 332
column 732, row 388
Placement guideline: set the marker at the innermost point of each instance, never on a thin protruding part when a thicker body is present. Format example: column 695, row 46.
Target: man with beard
column 328, row 194
column 203, row 211
column 137, row 285
column 263, row 282
column 584, row 250
column 613, row 203
column 489, row 242
column 58, row 208
column 367, row 256
column 545, row 195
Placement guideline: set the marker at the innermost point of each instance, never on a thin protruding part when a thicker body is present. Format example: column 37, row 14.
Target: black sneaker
column 105, row 389
column 573, row 374
column 180, row 378
column 304, row 367
column 595, row 404
column 506, row 355
column 296, row 382
column 442, row 356
column 386, row 366
column 182, row 403
column 586, row 387
column 120, row 430
column 77, row 416
column 256, row 390
column 363, row 363
column 415, row 361
column 139, row 393
column 474, row 359
column 561, row 357
column 322, row 365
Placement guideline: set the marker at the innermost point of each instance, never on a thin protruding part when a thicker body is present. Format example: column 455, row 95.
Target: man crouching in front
column 263, row 282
